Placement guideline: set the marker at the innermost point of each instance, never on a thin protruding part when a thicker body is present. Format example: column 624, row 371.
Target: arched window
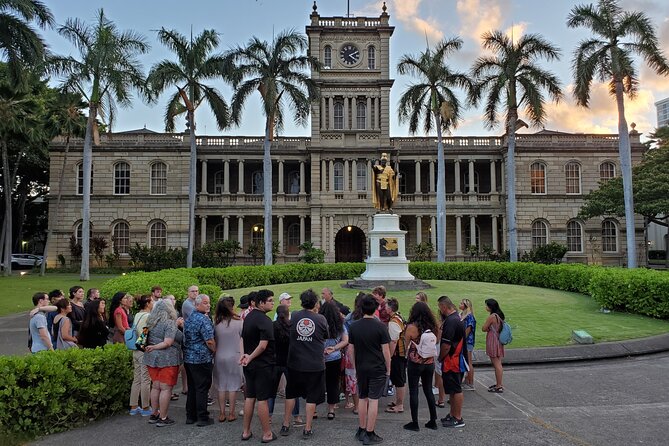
column 80, row 179
column 572, row 176
column 327, row 56
column 78, row 227
column 607, row 171
column 258, row 183
column 539, row 234
column 361, row 115
column 361, row 169
column 574, row 236
column 538, row 178
column 121, row 178
column 158, row 178
column 219, row 233
column 218, row 182
column 294, row 236
column 121, row 237
column 465, row 181
column 338, row 176
column 371, row 57
column 257, row 232
column 339, row 115
column 158, row 235
column 609, row 236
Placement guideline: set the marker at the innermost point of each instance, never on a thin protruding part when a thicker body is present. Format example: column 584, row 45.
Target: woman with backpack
column 421, row 340
column 493, row 347
column 141, row 383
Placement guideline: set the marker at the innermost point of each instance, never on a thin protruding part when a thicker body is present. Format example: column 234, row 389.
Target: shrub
column 311, row 254
column 217, row 254
column 156, row 259
column 53, row 391
column 423, row 252
column 549, row 254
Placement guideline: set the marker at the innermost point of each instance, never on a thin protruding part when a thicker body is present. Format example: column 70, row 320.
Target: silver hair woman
column 163, row 310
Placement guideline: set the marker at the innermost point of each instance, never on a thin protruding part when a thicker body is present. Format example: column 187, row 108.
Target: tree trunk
column 625, row 153
column 6, row 185
column 86, row 211
column 441, row 192
column 267, row 191
column 56, row 216
column 511, row 185
column 191, row 190
column 20, row 215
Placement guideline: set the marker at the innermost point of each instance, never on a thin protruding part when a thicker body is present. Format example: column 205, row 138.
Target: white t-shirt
column 394, row 330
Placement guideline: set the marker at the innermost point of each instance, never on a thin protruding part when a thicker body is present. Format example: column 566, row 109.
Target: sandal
column 331, row 415
column 174, row 397
column 232, row 418
column 247, row 438
column 394, row 409
column 440, row 404
column 391, row 404
column 222, row 418
column 496, row 389
column 350, row 406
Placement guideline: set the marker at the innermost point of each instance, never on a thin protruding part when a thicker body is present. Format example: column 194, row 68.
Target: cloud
column 479, row 16
column 408, row 13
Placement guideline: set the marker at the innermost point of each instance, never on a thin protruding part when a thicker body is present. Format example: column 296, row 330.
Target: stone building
column 322, row 184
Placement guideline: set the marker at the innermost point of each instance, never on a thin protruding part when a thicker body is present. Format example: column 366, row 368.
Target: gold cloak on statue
column 393, row 185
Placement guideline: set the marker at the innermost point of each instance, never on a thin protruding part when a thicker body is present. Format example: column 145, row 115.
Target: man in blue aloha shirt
column 199, row 350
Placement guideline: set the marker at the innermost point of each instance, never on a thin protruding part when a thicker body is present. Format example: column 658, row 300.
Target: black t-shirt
column 258, row 327
column 368, row 336
column 308, row 331
column 281, row 342
column 453, row 333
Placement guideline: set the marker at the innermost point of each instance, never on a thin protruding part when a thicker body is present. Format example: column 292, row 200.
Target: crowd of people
column 321, row 353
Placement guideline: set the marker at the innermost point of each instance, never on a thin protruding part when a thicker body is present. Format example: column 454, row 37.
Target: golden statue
column 385, row 188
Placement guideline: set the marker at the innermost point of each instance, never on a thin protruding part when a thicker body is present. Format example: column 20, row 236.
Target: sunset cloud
column 408, row 13
column 479, row 16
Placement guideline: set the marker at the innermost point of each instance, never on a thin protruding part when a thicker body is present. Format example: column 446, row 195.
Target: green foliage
column 257, row 251
column 53, row 391
column 549, row 254
column 155, row 259
column 61, row 260
column 98, row 246
column 311, row 254
column 217, row 254
column 636, row 291
column 75, row 248
column 423, row 252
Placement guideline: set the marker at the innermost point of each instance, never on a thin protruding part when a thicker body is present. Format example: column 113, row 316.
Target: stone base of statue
column 387, row 263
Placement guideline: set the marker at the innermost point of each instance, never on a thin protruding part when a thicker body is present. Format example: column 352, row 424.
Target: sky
column 414, row 20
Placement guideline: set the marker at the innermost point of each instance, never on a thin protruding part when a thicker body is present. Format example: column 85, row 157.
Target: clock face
column 349, row 54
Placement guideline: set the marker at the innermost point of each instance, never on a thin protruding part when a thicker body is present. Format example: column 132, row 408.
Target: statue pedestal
column 387, row 259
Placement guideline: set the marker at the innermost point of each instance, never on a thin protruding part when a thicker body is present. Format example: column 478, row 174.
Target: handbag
column 130, row 336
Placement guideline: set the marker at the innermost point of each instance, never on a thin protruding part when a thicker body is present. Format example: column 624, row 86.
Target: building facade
column 662, row 108
column 322, row 184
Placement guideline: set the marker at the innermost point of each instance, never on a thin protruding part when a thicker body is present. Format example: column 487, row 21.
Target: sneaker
column 466, row 386
column 371, row 438
column 146, row 412
column 190, row 421
column 447, row 419
column 136, row 411
column 432, row 424
column 210, row 401
column 359, row 434
column 413, row 426
column 153, row 419
column 307, row 434
column 285, row 430
column 454, row 422
column 167, row 421
column 298, row 422
column 391, row 391
column 203, row 423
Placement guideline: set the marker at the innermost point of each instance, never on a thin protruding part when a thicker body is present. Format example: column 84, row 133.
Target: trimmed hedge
column 639, row 291
column 52, row 392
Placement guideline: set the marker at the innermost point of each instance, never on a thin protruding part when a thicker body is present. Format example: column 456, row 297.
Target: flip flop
column 222, row 418
column 391, row 404
column 232, row 418
column 247, row 438
column 274, row 437
column 394, row 410
column 440, row 404
column 174, row 397
column 496, row 390
column 331, row 415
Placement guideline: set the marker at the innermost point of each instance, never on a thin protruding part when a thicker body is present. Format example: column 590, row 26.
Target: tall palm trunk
column 267, row 191
column 511, row 185
column 56, row 216
column 624, row 151
column 6, row 185
column 191, row 190
column 441, row 192
column 86, row 211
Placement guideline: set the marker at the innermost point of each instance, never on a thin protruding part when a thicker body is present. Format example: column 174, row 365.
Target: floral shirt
column 469, row 321
column 198, row 329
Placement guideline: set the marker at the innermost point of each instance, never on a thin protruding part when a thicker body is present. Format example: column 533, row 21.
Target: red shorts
column 165, row 375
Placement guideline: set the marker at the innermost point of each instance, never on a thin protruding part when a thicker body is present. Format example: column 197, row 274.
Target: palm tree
column 195, row 64
column 512, row 78
column 277, row 71
column 20, row 45
column 433, row 103
column 616, row 35
column 65, row 118
column 106, row 71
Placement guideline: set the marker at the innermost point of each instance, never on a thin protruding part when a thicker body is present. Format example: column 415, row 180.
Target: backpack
column 505, row 335
column 427, row 345
column 130, row 336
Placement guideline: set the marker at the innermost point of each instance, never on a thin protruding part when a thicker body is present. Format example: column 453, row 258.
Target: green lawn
column 539, row 317
column 17, row 290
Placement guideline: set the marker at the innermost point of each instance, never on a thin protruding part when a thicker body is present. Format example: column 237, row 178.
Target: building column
column 203, row 230
column 323, row 113
column 324, row 176
column 504, row 234
column 240, row 232
column 346, row 176
column 458, row 235
column 432, row 176
column 419, row 229
column 472, row 182
column 331, row 174
column 418, row 177
column 377, row 117
column 280, row 191
column 324, row 233
column 331, row 110
column 302, row 179
column 433, row 231
column 369, row 176
column 354, row 175
column 302, row 229
column 472, row 229
column 346, row 123
column 458, row 189
column 240, row 184
column 280, row 229
column 493, row 177
column 495, row 245
column 204, row 178
column 332, row 235
column 226, row 177
column 368, row 114
column 226, row 228
column 503, row 177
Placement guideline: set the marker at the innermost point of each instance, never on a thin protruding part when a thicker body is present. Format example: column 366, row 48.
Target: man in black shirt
column 258, row 362
column 306, row 361
column 369, row 341
column 328, row 296
column 451, row 348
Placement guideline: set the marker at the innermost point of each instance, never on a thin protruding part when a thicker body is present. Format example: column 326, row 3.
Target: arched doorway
column 350, row 244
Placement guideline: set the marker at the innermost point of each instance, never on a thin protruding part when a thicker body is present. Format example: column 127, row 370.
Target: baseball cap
column 284, row 296
column 243, row 302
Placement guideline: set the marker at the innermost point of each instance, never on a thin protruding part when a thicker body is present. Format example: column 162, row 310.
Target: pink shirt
column 124, row 317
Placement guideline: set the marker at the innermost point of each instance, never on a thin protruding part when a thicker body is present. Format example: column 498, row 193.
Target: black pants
column 424, row 372
column 332, row 375
column 199, row 382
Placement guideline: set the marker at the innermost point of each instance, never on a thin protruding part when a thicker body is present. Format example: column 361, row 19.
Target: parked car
column 20, row 261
